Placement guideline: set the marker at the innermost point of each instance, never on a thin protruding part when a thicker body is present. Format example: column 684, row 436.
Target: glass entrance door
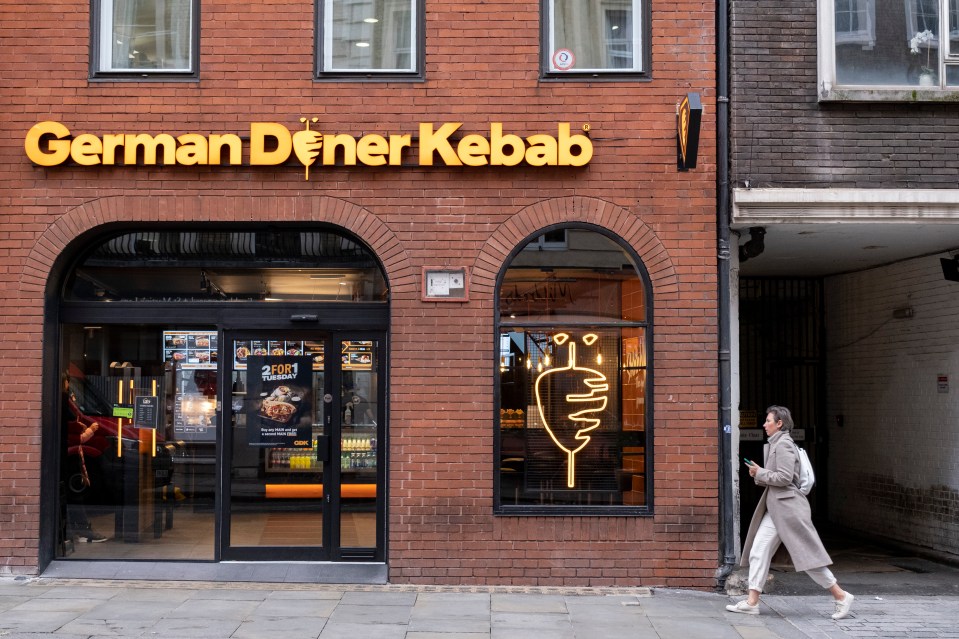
column 301, row 472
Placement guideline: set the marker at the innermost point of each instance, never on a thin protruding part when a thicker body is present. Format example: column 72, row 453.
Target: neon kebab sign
column 270, row 144
column 570, row 420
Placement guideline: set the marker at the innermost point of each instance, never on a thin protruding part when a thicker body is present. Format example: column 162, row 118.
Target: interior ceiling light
column 363, row 44
column 371, row 20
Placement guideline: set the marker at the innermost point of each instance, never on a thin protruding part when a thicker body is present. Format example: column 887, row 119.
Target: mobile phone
column 748, row 462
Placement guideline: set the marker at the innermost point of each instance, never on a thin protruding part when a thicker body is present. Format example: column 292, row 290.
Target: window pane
column 953, row 28
column 364, row 35
column 122, row 479
column 887, row 42
column 214, row 266
column 589, row 277
column 572, row 417
column 573, row 371
column 146, row 35
column 600, row 34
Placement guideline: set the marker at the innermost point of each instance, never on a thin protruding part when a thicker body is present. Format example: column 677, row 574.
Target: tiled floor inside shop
column 190, row 538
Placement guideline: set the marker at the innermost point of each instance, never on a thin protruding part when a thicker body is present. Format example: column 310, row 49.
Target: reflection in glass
column 367, row 35
column 887, row 42
column 601, row 34
column 217, row 266
column 133, row 484
column 588, row 278
column 359, row 446
column 572, row 366
column 276, row 487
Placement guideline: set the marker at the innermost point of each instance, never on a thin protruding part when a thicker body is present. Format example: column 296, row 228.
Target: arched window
column 574, row 337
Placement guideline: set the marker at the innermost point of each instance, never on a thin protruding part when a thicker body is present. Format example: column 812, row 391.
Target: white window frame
column 326, row 68
column 104, row 65
column 828, row 88
column 639, row 58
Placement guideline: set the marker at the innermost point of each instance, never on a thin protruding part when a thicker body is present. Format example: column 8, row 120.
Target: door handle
column 323, row 448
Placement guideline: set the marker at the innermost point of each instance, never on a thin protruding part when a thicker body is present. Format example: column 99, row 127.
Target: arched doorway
column 223, row 396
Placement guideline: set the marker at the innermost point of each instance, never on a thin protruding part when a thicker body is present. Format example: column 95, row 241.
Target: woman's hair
column 781, row 413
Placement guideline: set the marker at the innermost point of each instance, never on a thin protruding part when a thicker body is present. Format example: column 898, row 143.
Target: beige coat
column 787, row 506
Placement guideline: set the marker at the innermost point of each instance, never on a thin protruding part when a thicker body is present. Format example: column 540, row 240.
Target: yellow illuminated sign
column 270, row 144
column 569, row 419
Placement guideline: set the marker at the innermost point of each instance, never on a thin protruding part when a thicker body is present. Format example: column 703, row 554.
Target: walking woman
column 783, row 517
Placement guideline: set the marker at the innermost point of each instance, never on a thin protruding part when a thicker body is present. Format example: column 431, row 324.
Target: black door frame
column 368, row 320
column 331, row 549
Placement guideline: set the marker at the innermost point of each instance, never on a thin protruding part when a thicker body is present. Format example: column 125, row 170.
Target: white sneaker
column 843, row 607
column 743, row 607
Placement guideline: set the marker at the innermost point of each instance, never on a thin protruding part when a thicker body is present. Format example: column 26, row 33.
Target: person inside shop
column 81, row 465
column 356, row 408
column 783, row 517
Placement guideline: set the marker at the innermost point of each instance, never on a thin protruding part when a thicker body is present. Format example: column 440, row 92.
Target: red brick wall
column 482, row 65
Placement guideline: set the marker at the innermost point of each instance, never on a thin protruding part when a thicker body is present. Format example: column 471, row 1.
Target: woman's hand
column 753, row 468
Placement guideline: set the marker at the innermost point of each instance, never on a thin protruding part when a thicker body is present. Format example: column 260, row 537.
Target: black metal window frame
column 643, row 52
column 142, row 75
column 647, row 509
column 417, row 52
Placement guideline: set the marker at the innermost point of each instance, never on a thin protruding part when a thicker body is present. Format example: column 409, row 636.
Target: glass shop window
column 573, row 368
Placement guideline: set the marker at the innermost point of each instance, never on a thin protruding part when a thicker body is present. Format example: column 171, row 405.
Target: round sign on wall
column 563, row 59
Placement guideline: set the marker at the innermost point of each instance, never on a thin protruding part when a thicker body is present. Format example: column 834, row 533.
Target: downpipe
column 727, row 528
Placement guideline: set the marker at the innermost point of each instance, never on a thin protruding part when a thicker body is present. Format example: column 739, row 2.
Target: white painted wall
column 894, row 466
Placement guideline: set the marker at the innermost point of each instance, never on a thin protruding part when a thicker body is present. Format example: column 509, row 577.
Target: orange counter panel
column 315, row 491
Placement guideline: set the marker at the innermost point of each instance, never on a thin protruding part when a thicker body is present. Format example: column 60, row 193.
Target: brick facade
column 887, row 444
column 482, row 65
column 782, row 136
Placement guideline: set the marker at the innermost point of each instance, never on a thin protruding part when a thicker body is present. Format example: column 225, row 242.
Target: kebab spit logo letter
column 567, row 412
column 307, row 145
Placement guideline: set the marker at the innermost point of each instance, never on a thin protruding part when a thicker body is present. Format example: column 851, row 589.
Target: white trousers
column 765, row 545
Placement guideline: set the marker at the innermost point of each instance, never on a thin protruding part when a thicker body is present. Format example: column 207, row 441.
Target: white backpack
column 807, row 478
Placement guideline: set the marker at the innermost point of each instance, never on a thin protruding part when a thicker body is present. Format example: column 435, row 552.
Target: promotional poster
column 279, row 405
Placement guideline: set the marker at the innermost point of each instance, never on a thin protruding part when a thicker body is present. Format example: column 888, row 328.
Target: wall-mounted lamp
column 950, row 268
column 755, row 245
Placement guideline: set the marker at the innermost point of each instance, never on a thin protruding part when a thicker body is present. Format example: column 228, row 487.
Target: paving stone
column 363, row 631
column 527, row 603
column 295, row 607
column 285, row 627
column 370, row 614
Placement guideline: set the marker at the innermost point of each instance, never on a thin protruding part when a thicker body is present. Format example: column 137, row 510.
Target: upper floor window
column 594, row 37
column 888, row 49
column 137, row 38
column 574, row 336
column 380, row 38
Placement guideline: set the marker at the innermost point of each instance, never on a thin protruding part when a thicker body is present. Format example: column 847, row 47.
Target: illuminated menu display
column 190, row 349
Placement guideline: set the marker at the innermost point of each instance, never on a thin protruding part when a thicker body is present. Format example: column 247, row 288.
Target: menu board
column 244, row 349
column 279, row 401
column 190, row 349
column 357, row 355
column 194, row 417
